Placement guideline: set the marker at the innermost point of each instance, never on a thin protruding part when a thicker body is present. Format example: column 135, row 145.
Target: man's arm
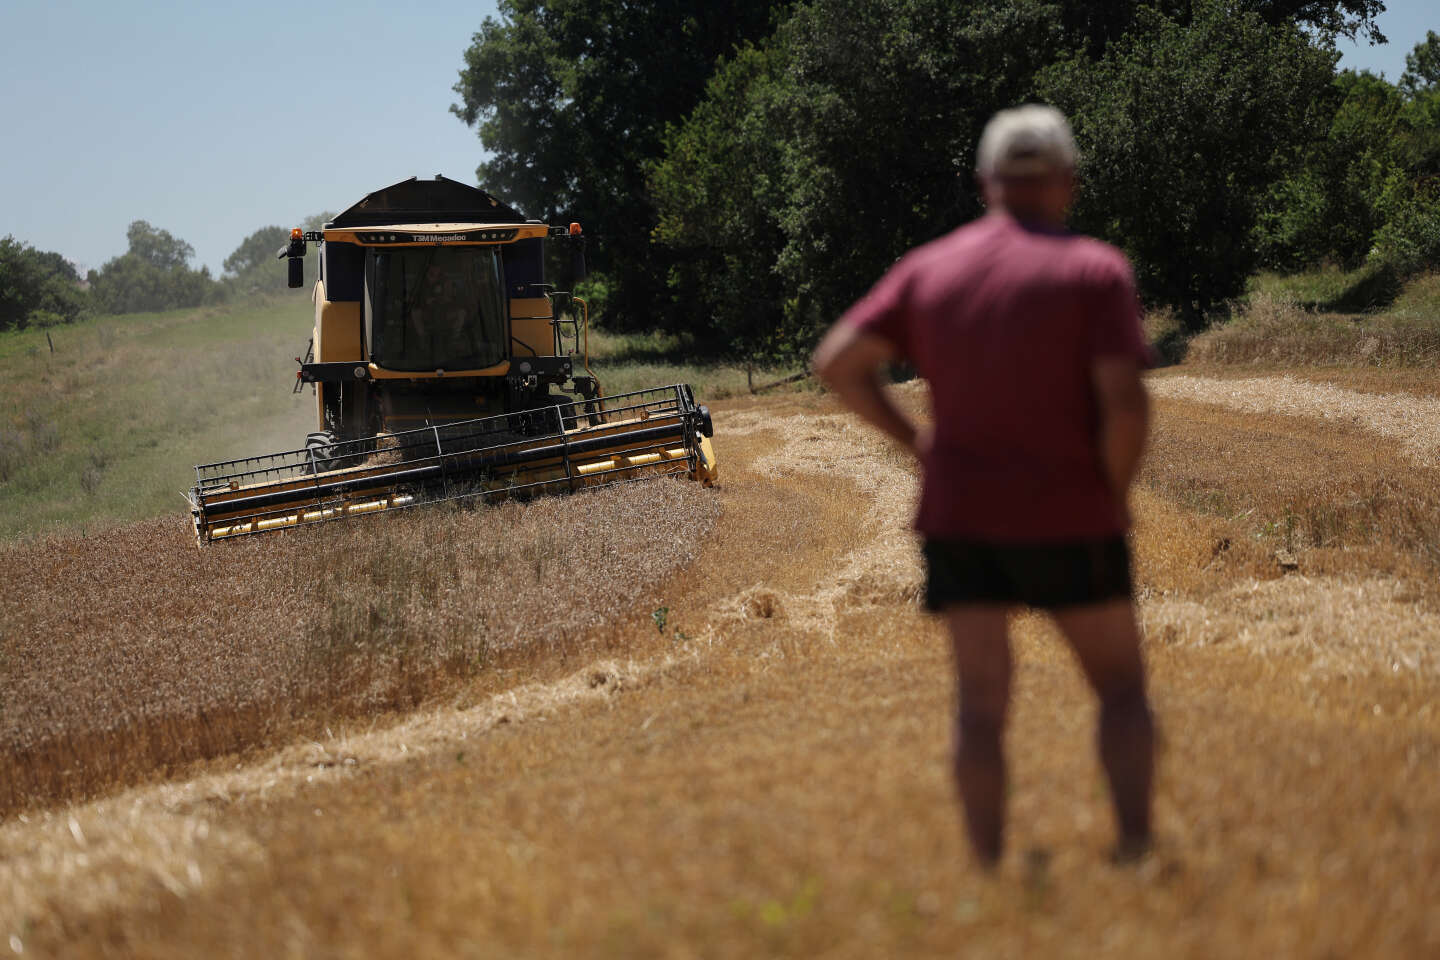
column 1124, row 410
column 849, row 362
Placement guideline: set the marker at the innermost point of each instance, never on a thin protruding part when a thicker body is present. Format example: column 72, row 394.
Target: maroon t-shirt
column 1005, row 321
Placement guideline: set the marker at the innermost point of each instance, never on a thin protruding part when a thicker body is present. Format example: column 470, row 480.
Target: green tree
column 572, row 97
column 1355, row 19
column 153, row 274
column 37, row 284
column 317, row 220
column 720, row 195
column 1422, row 66
column 1419, row 148
column 1183, row 130
column 1368, row 187
column 1409, row 241
column 821, row 154
column 1093, row 26
column 157, row 247
column 817, row 160
column 253, row 266
column 257, row 251
column 1348, row 182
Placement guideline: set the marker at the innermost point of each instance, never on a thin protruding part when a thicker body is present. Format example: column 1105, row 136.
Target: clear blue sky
column 1404, row 24
column 211, row 121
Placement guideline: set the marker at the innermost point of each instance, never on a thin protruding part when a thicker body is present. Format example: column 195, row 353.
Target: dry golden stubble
column 783, row 793
column 806, row 812
column 176, row 655
column 1405, row 382
column 1282, row 530
column 1411, row 422
column 1340, row 496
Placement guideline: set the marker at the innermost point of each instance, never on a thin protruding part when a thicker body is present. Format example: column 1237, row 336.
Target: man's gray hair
column 1026, row 141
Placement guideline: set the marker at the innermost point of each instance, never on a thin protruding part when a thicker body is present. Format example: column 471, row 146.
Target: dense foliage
column 1184, row 125
column 748, row 168
column 37, row 287
column 820, row 158
column 790, row 166
column 253, row 266
column 572, row 97
column 1367, row 188
column 153, row 274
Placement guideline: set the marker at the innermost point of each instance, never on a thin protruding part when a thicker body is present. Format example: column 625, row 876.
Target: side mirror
column 577, row 253
column 293, row 251
column 577, row 259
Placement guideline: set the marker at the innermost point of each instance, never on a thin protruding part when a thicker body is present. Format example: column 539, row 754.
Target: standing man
column 1030, row 339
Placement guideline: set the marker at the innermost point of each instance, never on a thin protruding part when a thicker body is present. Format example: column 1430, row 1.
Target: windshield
column 435, row 308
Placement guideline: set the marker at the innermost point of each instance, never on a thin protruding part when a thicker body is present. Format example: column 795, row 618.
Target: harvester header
column 445, row 367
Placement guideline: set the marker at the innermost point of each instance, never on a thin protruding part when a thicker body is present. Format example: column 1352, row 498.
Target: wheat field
column 663, row 721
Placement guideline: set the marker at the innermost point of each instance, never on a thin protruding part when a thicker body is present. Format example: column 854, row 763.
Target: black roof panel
column 441, row 200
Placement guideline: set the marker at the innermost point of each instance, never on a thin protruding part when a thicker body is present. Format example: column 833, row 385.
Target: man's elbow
column 820, row 367
column 823, row 361
column 847, row 360
column 832, row 360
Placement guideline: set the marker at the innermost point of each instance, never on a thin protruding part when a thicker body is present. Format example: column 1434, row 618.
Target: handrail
column 585, row 350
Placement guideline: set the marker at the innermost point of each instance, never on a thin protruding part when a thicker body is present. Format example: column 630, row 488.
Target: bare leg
column 1107, row 642
column 982, row 665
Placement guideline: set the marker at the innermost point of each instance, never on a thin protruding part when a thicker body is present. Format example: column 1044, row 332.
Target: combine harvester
column 445, row 368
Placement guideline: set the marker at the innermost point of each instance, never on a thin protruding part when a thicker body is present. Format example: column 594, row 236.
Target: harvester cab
column 445, row 367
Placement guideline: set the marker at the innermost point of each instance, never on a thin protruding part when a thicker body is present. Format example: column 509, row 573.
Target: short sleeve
column 1115, row 329
column 884, row 311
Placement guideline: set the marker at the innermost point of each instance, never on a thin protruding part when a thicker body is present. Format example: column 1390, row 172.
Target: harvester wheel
column 321, row 447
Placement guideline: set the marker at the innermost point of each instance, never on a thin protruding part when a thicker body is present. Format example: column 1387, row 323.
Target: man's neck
column 1034, row 218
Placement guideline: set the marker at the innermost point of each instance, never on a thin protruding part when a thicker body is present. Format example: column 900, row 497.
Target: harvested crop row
column 1413, row 421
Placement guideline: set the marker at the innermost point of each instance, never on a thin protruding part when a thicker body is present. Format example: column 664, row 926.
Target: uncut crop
column 129, row 652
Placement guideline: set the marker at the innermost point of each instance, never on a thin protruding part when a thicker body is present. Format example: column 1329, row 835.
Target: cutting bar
column 557, row 448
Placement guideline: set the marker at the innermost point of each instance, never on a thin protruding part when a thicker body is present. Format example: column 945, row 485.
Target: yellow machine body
column 444, row 367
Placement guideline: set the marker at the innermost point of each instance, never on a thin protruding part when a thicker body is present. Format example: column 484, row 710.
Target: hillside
column 104, row 420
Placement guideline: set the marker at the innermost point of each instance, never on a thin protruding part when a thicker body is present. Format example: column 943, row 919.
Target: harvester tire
column 321, row 446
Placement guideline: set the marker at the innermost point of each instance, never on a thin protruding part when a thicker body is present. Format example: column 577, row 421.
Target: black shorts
column 1045, row 575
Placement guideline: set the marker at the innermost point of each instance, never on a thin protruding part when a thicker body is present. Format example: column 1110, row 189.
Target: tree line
column 748, row 168
column 42, row 288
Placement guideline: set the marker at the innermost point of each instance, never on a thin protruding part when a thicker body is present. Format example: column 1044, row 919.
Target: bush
column 1410, row 241
column 595, row 291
